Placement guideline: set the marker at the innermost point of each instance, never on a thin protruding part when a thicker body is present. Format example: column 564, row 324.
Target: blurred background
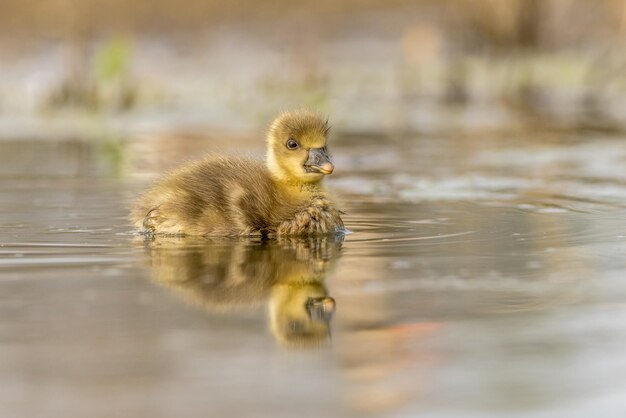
column 398, row 66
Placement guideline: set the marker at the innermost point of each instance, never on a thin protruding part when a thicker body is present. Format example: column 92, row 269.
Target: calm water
column 484, row 277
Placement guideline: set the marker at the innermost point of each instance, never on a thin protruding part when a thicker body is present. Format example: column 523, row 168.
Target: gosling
column 228, row 196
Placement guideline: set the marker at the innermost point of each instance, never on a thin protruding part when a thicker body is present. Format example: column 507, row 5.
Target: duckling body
column 220, row 196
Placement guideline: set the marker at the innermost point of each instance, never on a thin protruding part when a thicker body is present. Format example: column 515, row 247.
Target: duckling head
column 296, row 147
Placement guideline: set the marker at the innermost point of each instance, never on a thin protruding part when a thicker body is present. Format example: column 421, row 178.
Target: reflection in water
column 221, row 274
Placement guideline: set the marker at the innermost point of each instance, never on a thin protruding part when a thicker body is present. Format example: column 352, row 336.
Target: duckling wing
column 239, row 199
column 215, row 196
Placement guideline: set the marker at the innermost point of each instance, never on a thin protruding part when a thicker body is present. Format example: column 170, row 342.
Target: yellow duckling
column 225, row 196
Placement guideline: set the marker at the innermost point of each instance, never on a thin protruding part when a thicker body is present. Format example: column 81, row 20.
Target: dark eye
column 292, row 144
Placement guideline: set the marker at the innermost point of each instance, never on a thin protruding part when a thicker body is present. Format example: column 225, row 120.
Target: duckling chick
column 226, row 196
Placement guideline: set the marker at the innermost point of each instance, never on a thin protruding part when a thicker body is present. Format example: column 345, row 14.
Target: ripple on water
column 59, row 254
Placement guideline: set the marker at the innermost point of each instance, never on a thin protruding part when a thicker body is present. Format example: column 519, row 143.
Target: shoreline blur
column 92, row 68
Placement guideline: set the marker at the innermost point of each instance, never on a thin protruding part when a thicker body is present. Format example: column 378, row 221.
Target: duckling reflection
column 226, row 274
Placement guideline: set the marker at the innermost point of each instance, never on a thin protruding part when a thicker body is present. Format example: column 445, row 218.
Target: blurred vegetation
column 475, row 23
column 535, row 58
column 104, row 84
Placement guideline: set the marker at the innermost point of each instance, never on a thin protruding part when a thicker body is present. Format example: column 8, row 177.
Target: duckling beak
column 321, row 309
column 319, row 162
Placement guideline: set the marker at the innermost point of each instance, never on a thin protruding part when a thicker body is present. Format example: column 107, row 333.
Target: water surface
column 484, row 277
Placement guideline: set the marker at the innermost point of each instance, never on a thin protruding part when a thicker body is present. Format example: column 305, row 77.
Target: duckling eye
column 292, row 144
